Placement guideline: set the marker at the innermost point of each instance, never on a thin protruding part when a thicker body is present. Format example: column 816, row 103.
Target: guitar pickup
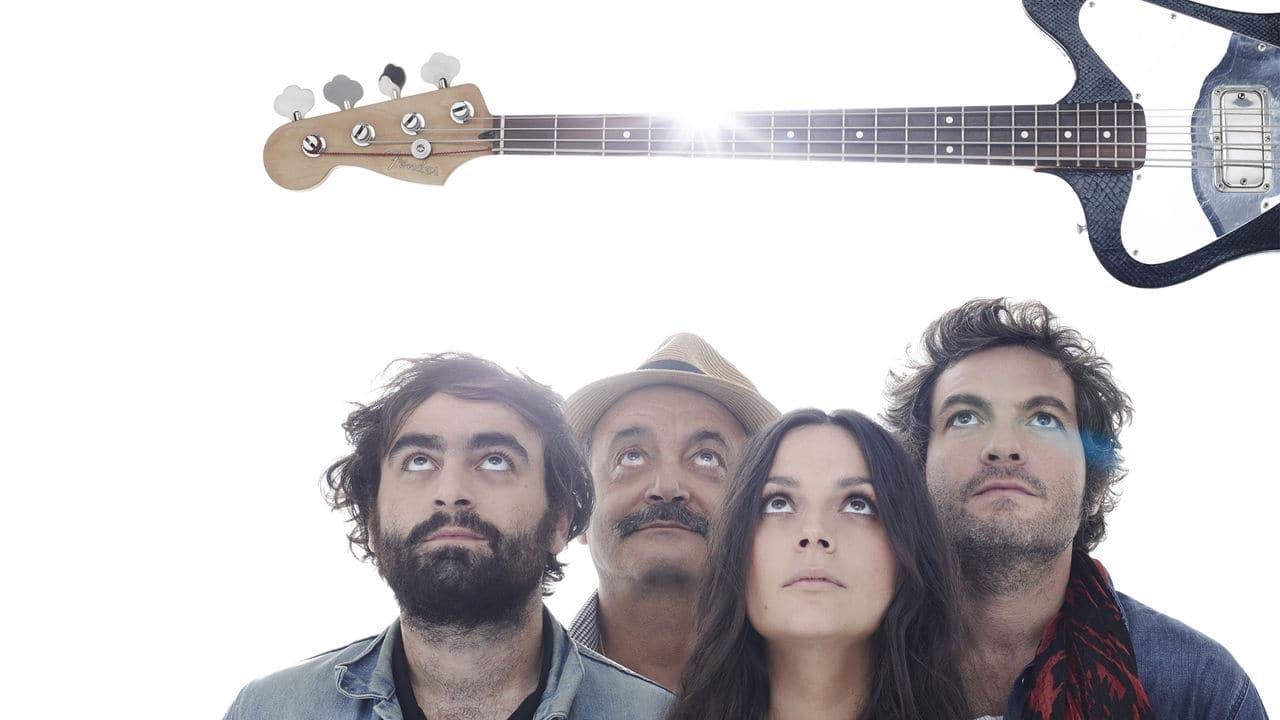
column 1242, row 154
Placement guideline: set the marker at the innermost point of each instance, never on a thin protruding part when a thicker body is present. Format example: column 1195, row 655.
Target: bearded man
column 1016, row 420
column 464, row 483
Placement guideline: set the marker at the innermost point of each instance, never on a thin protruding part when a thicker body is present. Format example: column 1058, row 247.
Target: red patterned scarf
column 1085, row 668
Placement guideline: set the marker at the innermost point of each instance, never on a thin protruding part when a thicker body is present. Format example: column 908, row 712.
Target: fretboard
column 1092, row 136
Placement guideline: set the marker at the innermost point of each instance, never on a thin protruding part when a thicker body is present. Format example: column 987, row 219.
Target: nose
column 666, row 487
column 1003, row 447
column 816, row 537
column 451, row 490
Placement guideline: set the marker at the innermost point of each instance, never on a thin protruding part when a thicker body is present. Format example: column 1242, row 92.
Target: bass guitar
column 1166, row 136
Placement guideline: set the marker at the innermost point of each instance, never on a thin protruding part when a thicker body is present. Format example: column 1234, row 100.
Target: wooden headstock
column 454, row 119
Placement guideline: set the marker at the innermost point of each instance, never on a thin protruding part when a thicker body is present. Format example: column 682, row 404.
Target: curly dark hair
column 915, row 671
column 981, row 324
column 352, row 481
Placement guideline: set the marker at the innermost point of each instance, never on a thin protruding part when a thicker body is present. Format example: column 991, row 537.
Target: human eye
column 1045, row 420
column 775, row 504
column 497, row 461
column 859, row 505
column 418, row 462
column 631, row 457
column 964, row 418
column 708, row 459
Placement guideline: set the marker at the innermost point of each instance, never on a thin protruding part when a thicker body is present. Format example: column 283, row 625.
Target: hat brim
column 586, row 406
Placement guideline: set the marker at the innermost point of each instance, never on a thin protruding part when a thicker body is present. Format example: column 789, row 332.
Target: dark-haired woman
column 830, row 592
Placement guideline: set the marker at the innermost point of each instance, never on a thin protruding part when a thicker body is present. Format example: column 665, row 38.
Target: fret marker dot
column 950, row 119
column 791, row 133
column 859, row 134
column 950, row 149
column 1106, row 134
column 1025, row 135
column 1066, row 134
column 626, row 133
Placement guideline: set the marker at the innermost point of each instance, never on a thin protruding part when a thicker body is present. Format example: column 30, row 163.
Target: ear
column 1095, row 507
column 560, row 540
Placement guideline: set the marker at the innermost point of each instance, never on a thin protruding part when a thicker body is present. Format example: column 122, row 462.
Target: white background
column 183, row 337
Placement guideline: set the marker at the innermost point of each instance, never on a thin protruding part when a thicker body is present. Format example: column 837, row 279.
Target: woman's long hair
column 915, row 673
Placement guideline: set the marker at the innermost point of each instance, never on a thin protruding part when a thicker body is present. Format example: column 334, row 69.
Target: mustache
column 466, row 519
column 989, row 473
column 678, row 513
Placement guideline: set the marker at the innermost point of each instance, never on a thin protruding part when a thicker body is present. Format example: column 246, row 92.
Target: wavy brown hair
column 352, row 481
column 915, row 673
column 1102, row 408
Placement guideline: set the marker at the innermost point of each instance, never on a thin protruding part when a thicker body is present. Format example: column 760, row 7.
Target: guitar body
column 1104, row 195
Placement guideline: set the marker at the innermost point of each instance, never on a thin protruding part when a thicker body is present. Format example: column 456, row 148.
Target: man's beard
column 1003, row 554
column 665, row 575
column 462, row 588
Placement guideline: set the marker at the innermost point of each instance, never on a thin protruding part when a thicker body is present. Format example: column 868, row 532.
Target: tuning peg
column 440, row 70
column 343, row 92
column 392, row 81
column 295, row 102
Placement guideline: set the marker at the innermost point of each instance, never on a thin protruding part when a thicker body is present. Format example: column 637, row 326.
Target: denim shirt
column 1186, row 675
column 356, row 682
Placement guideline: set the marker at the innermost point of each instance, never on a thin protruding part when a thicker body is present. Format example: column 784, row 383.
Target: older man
column 464, row 483
column 1016, row 420
column 662, row 442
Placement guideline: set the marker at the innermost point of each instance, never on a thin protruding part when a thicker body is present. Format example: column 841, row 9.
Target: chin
column 810, row 627
column 669, row 573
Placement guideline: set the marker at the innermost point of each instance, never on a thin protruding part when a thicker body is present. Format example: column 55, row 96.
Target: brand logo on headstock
column 420, row 168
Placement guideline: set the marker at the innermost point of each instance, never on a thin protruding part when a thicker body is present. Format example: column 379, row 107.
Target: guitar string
column 1064, row 126
column 1069, row 142
column 1074, row 162
column 1156, row 162
column 676, row 127
column 1030, row 110
column 611, row 143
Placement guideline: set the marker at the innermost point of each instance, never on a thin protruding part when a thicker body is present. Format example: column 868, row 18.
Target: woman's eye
column 707, row 459
column 418, row 463
column 964, row 418
column 777, row 504
column 495, row 461
column 859, row 505
column 631, row 458
column 1045, row 420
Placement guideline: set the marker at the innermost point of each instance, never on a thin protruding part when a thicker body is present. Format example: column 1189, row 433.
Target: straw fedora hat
column 684, row 360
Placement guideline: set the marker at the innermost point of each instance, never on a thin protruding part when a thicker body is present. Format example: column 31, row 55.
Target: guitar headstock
column 420, row 138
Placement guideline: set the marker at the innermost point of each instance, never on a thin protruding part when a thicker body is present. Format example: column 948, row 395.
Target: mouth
column 814, row 579
column 1003, row 487
column 455, row 535
column 666, row 526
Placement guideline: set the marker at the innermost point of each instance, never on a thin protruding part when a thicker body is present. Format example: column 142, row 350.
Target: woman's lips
column 814, row 578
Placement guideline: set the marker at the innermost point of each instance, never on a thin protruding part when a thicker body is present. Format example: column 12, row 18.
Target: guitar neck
column 1087, row 136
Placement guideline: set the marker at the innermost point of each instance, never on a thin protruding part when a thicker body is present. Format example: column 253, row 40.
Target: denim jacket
column 356, row 682
column 1186, row 675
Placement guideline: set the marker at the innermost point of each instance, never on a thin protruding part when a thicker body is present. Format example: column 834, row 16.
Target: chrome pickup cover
column 1242, row 139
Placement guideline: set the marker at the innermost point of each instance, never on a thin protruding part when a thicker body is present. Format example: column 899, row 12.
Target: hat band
column 671, row 365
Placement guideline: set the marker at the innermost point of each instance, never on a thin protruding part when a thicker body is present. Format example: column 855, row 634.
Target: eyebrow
column 1046, row 401
column 843, row 483
column 964, row 399
column 707, row 436
column 628, row 433
column 480, row 441
column 417, row 440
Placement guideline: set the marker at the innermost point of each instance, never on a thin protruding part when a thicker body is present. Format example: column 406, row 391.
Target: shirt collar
column 585, row 628
column 365, row 671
